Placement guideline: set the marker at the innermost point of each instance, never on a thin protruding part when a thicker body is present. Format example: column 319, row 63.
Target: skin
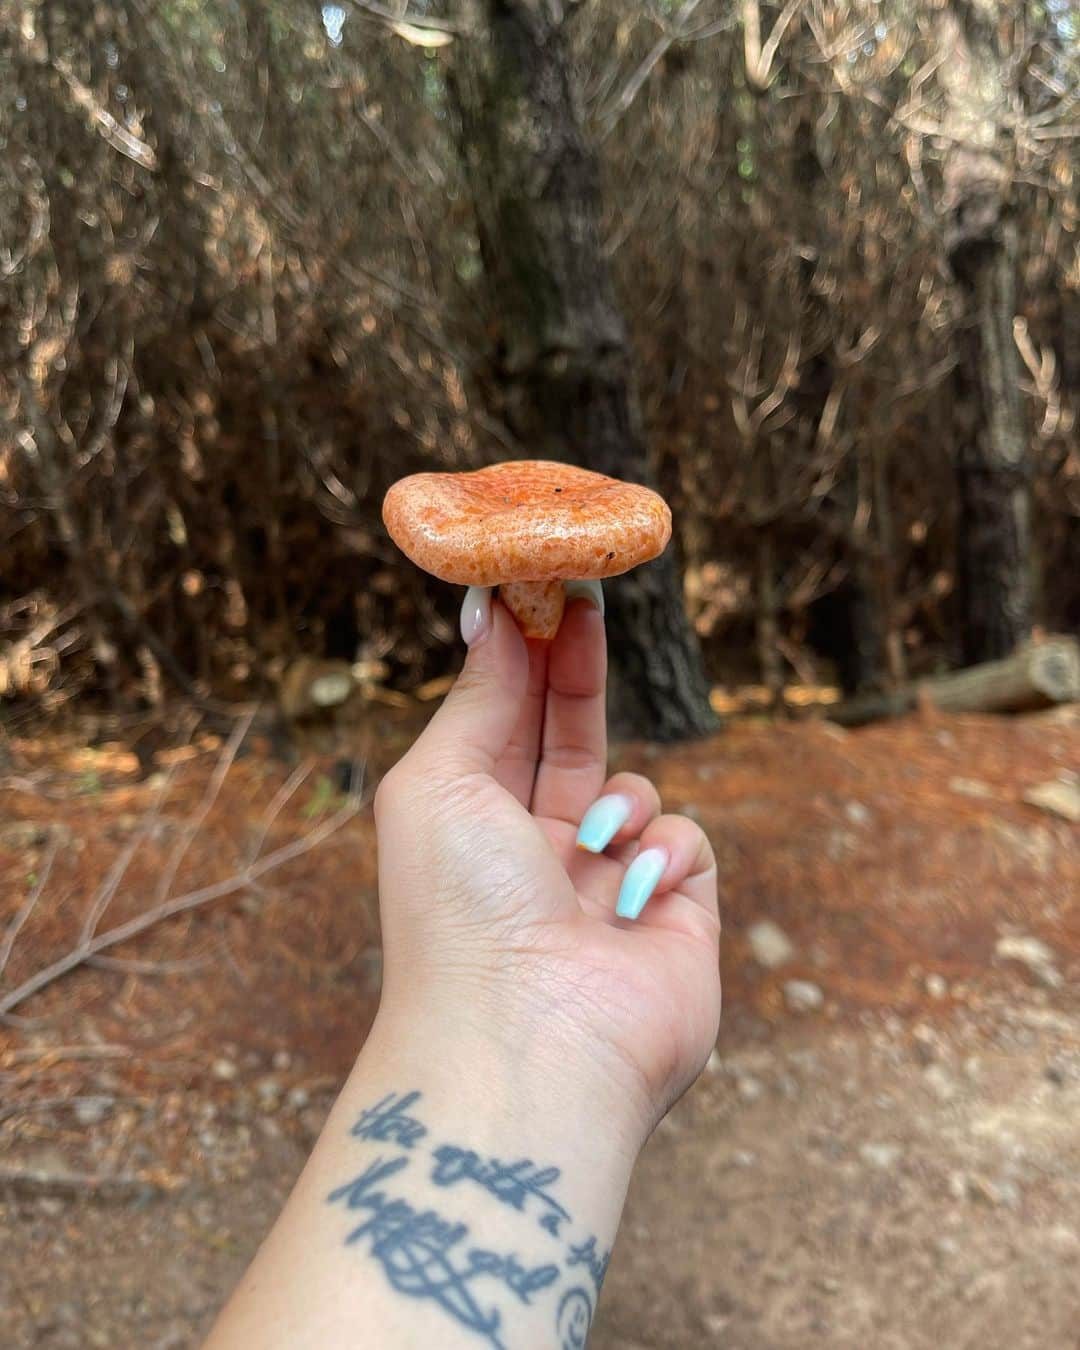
column 532, row 1021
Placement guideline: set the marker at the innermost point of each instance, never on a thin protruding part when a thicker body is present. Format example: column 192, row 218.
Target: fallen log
column 1038, row 675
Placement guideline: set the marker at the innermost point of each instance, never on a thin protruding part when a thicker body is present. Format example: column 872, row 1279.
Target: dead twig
column 45, row 1056
column 91, row 945
column 28, row 904
column 760, row 56
column 35, row 1104
column 36, row 1181
column 287, row 790
column 198, row 818
column 108, row 888
column 674, row 33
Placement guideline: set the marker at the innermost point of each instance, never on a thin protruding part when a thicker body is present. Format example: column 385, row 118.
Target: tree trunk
column 562, row 364
column 860, row 666
column 993, row 463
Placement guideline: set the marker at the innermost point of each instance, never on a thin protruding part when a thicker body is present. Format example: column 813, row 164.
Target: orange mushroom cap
column 525, row 520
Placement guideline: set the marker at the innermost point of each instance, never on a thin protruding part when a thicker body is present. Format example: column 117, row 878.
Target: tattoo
column 587, row 1255
column 420, row 1252
column 574, row 1319
column 510, row 1183
column 428, row 1256
column 387, row 1122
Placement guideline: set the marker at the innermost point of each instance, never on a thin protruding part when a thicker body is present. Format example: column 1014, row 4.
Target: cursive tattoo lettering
column 573, row 1320
column 422, row 1253
column 510, row 1183
column 587, row 1255
column 388, row 1122
column 427, row 1256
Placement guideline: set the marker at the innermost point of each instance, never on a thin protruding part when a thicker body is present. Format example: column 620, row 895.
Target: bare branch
column 191, row 900
column 108, row 888
column 632, row 87
column 35, row 1181
column 759, row 58
column 27, row 908
column 419, row 22
column 287, row 790
column 120, row 138
column 210, row 796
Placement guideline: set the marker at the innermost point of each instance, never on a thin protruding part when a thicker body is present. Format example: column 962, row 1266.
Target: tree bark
column 993, row 464
column 562, row 365
column 860, row 666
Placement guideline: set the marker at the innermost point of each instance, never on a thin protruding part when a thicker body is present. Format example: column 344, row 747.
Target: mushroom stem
column 536, row 605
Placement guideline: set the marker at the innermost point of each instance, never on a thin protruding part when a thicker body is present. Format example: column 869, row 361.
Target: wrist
column 513, row 1088
column 448, row 1202
column 468, row 1196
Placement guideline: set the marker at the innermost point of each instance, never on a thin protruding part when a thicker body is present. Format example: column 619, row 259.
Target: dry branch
column 35, row 1181
column 92, row 944
column 27, row 908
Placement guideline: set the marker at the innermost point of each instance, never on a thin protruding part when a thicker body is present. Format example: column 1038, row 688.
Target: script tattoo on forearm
column 430, row 1257
column 586, row 1254
column 425, row 1255
column 388, row 1121
column 511, row 1183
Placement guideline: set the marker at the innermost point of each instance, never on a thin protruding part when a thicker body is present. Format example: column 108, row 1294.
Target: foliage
column 240, row 293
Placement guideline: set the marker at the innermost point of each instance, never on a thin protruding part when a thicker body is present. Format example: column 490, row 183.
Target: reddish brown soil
column 900, row 1168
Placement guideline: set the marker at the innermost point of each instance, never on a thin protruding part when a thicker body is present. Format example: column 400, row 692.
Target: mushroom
column 526, row 526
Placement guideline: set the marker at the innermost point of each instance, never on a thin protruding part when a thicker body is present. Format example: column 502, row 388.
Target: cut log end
column 1055, row 670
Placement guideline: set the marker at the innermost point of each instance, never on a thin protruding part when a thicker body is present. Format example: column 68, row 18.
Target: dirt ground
column 883, row 1152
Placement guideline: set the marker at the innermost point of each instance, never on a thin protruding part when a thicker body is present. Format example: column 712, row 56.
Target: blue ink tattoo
column 510, row 1183
column 574, row 1319
column 587, row 1255
column 420, row 1252
column 388, row 1122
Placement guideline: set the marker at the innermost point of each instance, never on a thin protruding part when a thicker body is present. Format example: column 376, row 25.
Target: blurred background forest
column 812, row 268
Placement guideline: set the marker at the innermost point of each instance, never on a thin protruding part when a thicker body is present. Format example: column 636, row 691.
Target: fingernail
column 585, row 590
column 476, row 615
column 603, row 821
column 640, row 881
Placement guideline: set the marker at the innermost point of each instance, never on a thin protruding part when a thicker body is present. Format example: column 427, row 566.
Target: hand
column 467, row 1186
column 496, row 924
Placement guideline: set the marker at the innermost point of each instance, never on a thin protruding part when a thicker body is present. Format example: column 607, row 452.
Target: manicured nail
column 640, row 881
column 476, row 615
column 585, row 590
column 603, row 821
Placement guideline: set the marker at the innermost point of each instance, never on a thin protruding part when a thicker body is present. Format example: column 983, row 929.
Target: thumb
column 477, row 718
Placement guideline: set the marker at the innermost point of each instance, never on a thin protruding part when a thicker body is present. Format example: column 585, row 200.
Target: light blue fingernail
column 603, row 821
column 585, row 590
column 640, row 881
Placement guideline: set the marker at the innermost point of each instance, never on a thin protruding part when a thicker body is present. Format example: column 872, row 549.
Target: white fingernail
column 476, row 614
column 585, row 590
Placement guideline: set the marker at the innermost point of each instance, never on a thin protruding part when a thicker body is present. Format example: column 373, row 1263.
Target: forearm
column 455, row 1198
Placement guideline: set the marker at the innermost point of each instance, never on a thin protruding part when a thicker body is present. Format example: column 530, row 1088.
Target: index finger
column 573, row 753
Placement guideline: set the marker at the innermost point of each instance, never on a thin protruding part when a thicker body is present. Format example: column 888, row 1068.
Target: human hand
column 467, row 1185
column 499, row 926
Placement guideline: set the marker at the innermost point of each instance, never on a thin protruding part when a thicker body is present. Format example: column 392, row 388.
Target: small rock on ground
column 1034, row 954
column 1056, row 797
column 770, row 945
column 802, row 996
column 880, row 1155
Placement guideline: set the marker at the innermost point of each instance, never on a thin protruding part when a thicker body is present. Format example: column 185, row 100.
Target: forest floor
column 883, row 1154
